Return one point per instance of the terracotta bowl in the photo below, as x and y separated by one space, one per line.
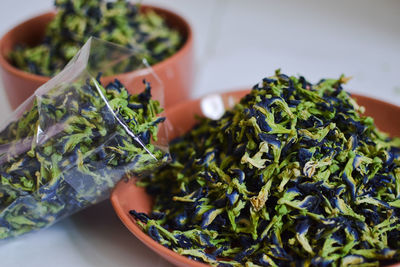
176 72
127 196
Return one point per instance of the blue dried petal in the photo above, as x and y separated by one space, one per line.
263 260
49 193
145 137
355 142
304 155
279 252
208 158
327 151
308 188
210 256
209 176
87 88
287 148
387 252
262 122
134 160
274 239
200 193
351 185
239 174
361 225
247 241
118 84
270 139
339 190
114 86
226 125
153 233
321 262
205 239
315 122
372 216
249 112
241 255
135 106
294 189
380 181
357 161
183 241
145 96
159 120
311 203
98 77
232 198
364 245
284 77
180 220
220 203
352 231
230 143
88 107
33 68
268 102
304 82
157 215
303 226
218 222
139 216
197 210
289 93
359 127
269 80
293 103
94 12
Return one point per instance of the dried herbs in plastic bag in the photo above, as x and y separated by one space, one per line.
66 146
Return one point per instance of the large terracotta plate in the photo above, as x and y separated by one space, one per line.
127 196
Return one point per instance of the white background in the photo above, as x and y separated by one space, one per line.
237 43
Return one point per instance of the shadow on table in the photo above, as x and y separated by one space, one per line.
103 240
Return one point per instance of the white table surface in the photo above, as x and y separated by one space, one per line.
237 43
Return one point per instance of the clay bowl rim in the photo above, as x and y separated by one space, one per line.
185 48
131 223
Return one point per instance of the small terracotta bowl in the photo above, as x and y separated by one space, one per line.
175 72
127 196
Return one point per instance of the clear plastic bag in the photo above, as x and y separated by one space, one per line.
66 146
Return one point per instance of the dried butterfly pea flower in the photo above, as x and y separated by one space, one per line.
120 22
292 174
70 148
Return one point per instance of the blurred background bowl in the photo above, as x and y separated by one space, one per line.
127 196
175 72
